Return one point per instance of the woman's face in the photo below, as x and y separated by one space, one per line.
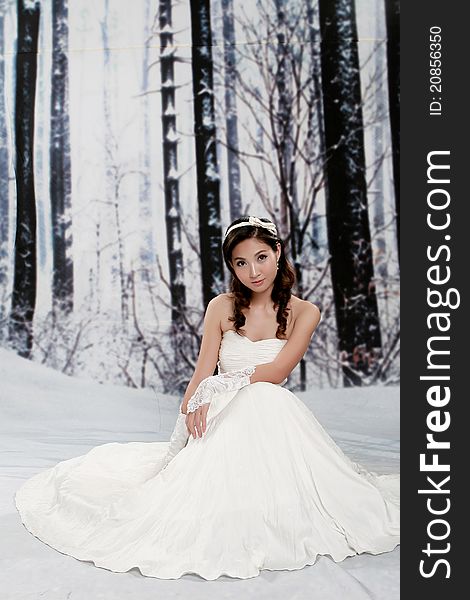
255 263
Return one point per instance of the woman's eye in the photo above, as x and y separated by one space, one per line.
240 263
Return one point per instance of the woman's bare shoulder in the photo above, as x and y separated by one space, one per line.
222 299
225 310
304 307
222 304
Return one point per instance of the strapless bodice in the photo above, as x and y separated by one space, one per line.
237 351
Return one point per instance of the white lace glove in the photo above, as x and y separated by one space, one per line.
178 439
217 384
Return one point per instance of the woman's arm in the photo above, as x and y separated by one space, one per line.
287 359
209 351
273 372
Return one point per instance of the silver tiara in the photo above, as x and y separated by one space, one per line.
255 222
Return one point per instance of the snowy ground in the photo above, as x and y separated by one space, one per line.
46 417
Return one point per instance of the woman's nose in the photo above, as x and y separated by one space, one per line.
253 269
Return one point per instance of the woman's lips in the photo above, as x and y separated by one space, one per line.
257 282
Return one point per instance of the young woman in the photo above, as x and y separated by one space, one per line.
249 480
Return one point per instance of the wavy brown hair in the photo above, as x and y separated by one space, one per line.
285 278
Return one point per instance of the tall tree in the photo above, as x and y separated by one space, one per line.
4 204
378 187
231 118
24 283
282 130
147 250
111 225
278 86
171 176
283 134
352 270
208 179
315 132
392 19
60 165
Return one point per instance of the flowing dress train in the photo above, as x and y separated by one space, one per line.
266 487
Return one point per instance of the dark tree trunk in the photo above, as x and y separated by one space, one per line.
231 119
4 176
284 140
24 283
171 177
283 125
289 208
208 181
392 17
61 178
352 268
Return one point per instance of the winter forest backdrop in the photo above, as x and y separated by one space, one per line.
133 133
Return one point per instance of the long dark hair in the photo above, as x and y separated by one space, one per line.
285 278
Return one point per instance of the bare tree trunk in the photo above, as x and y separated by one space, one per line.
113 176
316 124
4 170
233 166
103 222
392 15
286 152
283 123
352 268
60 167
106 94
378 205
171 178
121 254
97 288
284 137
147 250
24 284
208 180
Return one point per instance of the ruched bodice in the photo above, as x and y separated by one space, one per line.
237 351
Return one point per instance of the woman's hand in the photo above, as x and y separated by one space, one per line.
197 406
196 421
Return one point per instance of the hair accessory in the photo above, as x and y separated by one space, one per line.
254 222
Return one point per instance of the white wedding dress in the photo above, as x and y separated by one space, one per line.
264 488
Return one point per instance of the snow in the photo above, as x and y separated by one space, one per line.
211 172
127 138
166 30
173 174
168 52
30 4
170 111
172 136
46 417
